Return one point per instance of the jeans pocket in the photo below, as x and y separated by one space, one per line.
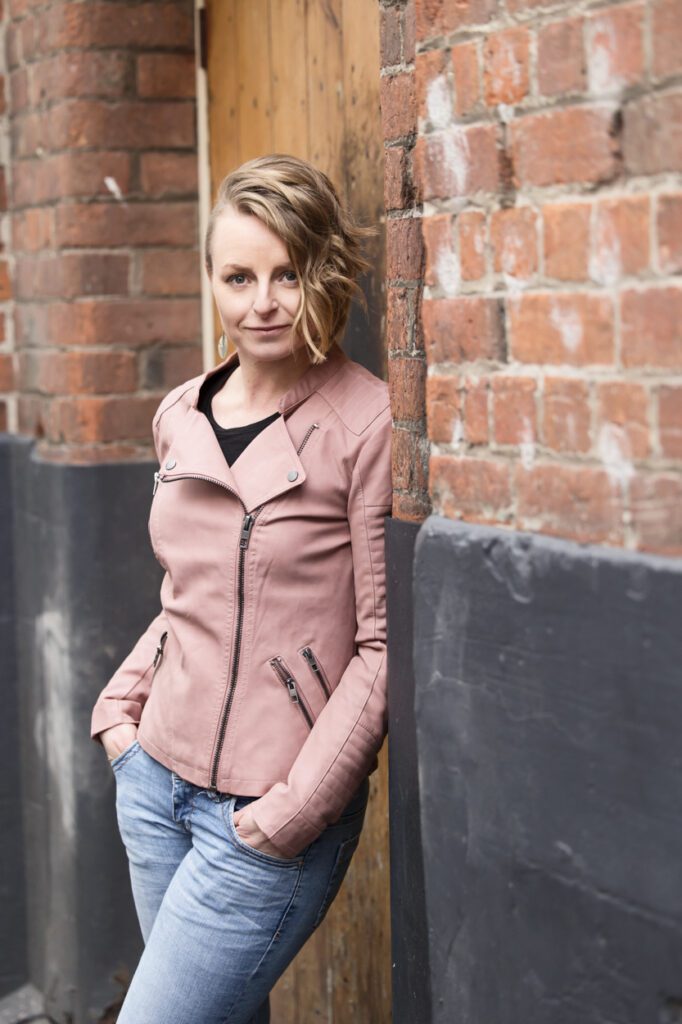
341 864
125 755
229 807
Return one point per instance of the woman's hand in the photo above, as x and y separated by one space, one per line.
252 835
117 738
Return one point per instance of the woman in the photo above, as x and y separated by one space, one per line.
243 725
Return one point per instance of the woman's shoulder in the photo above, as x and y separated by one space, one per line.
359 398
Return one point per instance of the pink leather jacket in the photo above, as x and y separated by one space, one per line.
265 672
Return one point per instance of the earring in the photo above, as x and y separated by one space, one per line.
222 346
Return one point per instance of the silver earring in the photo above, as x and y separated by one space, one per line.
222 346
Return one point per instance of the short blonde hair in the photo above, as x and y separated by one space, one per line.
301 206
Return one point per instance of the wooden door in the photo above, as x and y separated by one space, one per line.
302 77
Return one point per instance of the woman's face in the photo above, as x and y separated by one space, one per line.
255 287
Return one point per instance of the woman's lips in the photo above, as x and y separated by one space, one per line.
269 330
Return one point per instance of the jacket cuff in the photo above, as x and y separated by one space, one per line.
110 712
289 838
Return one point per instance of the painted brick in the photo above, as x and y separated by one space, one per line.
433 90
441 260
458 162
652 327
462 329
575 144
506 59
620 238
615 48
553 328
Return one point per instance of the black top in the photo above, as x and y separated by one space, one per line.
232 440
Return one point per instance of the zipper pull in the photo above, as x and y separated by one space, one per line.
247 523
310 658
157 479
159 649
293 692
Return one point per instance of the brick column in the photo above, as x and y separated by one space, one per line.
104 220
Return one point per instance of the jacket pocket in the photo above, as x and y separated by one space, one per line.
285 677
318 672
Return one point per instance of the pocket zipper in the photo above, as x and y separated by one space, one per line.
316 670
286 678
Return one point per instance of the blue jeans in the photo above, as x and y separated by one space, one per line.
221 920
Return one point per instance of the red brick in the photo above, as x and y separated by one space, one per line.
670 421
166 76
116 25
409 461
94 454
561 60
18 90
576 144
68 175
407 380
652 327
397 178
471 224
572 328
470 488
170 272
5 284
164 368
115 224
462 329
411 507
475 409
399 319
6 372
626 404
73 74
434 95
620 238
514 415
398 105
652 141
125 322
443 404
440 17
33 230
615 48
566 240
566 415
580 503
666 37
669 227
168 174
458 162
441 260
506 56
71 275
513 235
390 35
4 417
409 32
404 249
465 68
657 512
73 372
82 124
93 419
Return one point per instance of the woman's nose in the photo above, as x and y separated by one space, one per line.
265 300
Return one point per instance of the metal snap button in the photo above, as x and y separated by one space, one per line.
171 464
292 475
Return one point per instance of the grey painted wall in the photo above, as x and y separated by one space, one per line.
548 705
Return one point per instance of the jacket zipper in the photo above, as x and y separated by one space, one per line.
159 650
316 670
244 537
285 676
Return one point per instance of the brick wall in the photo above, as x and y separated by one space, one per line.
7 395
547 161
103 202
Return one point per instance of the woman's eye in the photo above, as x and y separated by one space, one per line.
290 277
236 279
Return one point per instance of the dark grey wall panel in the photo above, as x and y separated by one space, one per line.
88 586
13 965
410 984
548 714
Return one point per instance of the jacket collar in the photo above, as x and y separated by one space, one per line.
269 466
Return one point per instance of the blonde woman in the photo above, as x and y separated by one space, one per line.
243 725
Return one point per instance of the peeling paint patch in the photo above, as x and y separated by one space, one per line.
439 102
114 188
613 447
456 156
527 445
569 325
606 265
457 432
447 271
602 46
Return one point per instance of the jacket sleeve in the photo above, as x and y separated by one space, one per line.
349 731
125 695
